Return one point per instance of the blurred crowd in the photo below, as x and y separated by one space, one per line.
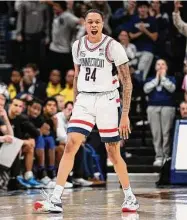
36 39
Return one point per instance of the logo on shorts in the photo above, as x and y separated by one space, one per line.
112 98
83 53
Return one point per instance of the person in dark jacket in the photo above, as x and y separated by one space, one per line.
25 130
161 110
31 86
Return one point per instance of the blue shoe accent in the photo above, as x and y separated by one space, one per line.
22 182
34 183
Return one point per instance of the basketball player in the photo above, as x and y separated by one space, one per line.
96 101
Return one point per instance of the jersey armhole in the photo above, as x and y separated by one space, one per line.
107 51
78 48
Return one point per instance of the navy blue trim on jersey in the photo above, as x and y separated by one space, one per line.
110 139
95 48
78 130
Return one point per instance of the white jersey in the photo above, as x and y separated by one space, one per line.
95 62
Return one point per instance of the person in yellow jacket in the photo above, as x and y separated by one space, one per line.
14 86
67 92
54 85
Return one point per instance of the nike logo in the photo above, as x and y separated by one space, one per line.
111 98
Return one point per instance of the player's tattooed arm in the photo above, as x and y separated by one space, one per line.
77 69
125 78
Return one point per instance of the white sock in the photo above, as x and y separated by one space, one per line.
28 175
57 193
128 192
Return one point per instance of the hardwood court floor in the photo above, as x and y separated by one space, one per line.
100 204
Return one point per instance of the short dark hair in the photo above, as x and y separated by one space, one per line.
32 66
94 10
68 103
143 3
50 99
17 98
62 4
35 100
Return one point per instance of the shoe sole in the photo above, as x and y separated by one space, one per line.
39 208
130 210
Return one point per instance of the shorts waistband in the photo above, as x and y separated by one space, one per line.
99 93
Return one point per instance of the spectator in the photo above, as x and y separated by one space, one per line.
179 23
49 111
43 142
30 85
161 110
14 86
144 34
25 130
54 85
67 92
33 29
60 101
122 17
5 126
64 24
184 84
183 110
6 136
162 20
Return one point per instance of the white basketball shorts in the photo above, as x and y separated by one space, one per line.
101 109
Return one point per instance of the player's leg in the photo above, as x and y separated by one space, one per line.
28 151
107 120
80 125
120 167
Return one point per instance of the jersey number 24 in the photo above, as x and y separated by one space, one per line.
90 74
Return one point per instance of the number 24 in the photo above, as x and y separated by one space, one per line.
88 73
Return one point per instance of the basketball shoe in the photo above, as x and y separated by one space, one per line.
49 205
130 204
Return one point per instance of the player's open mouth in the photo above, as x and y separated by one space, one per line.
94 32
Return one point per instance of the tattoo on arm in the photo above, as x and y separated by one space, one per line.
125 78
77 69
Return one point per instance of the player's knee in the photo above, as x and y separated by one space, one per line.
112 152
70 147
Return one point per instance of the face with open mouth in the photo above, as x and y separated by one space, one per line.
94 25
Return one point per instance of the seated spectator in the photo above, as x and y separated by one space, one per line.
60 102
184 84
163 25
6 131
43 142
133 56
14 86
30 85
6 136
67 92
183 110
54 86
144 34
25 130
161 110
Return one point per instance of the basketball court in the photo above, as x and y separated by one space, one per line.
100 204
